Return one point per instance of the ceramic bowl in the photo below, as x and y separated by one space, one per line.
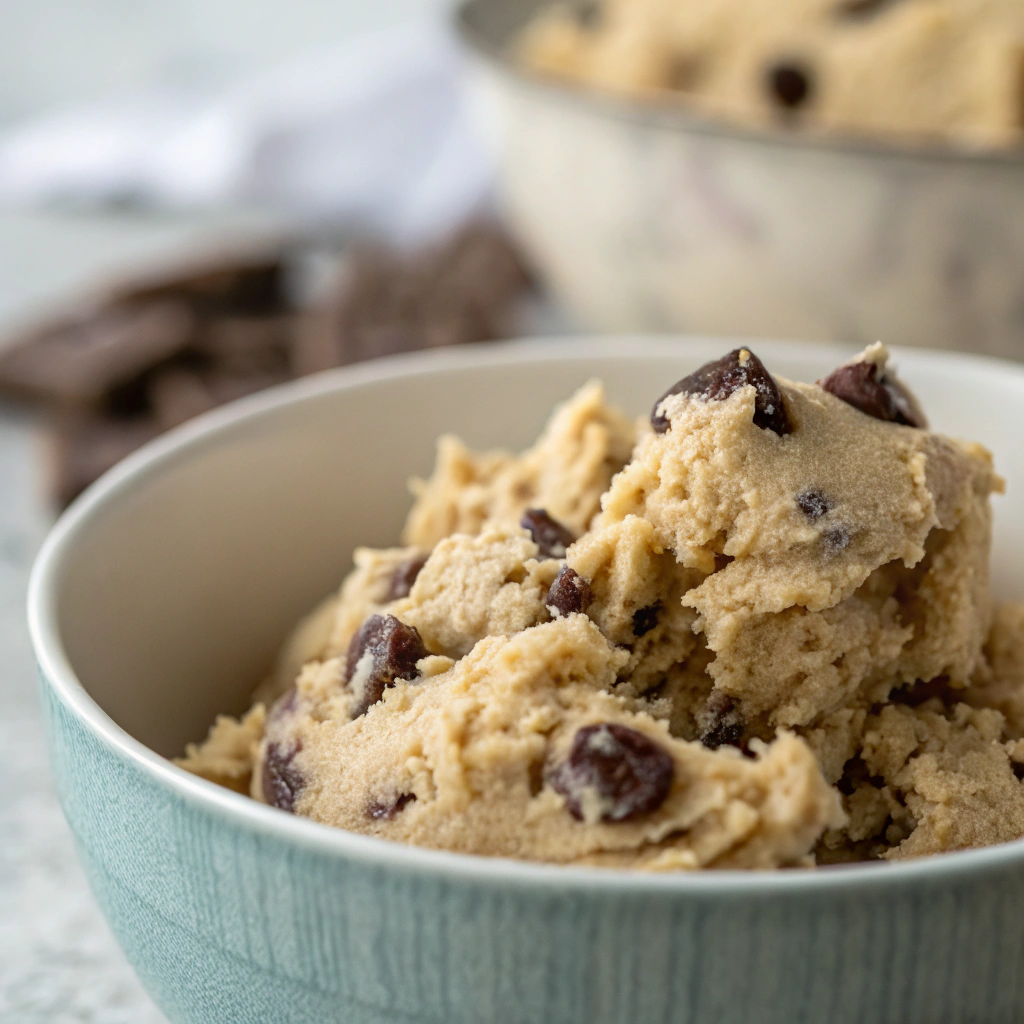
644 217
159 600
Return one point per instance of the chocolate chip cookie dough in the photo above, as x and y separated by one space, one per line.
752 631
946 69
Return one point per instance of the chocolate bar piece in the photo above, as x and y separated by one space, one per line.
79 361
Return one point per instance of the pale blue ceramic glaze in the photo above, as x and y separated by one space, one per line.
234 912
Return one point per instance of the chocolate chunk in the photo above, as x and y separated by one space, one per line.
717 380
720 722
1018 770
404 577
548 534
624 772
645 619
282 781
790 85
813 504
388 810
569 593
853 9
228 282
835 540
588 15
861 385
382 651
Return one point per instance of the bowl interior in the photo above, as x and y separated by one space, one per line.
172 583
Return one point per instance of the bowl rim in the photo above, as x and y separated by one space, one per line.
245 813
651 111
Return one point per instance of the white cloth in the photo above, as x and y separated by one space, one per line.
374 133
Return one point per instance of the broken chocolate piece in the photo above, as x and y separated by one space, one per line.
78 361
813 504
282 781
717 380
790 85
388 810
853 9
383 650
548 534
569 593
645 619
614 770
404 577
720 721
874 393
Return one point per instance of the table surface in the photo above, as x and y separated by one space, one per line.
59 963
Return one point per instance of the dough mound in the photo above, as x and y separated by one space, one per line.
753 633
914 69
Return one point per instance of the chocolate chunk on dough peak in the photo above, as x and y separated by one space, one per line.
716 381
868 385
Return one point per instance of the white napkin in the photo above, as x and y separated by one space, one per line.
372 133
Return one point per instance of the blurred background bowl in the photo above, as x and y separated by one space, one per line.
642 217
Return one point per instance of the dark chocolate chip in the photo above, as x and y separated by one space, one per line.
645 619
390 649
588 14
627 772
387 810
854 9
835 540
570 592
720 721
282 781
789 84
548 534
813 504
717 380
860 385
1018 770
404 577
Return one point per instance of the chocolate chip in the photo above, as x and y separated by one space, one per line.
645 619
282 781
404 577
569 593
720 721
382 651
387 810
717 380
861 385
548 534
1018 770
588 15
854 9
789 84
813 504
628 773
835 540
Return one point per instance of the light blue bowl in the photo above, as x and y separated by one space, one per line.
160 598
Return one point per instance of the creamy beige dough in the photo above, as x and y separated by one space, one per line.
754 633
926 68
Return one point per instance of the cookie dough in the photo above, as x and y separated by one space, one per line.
752 631
943 69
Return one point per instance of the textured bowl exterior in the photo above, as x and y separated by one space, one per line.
643 220
231 911
227 923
